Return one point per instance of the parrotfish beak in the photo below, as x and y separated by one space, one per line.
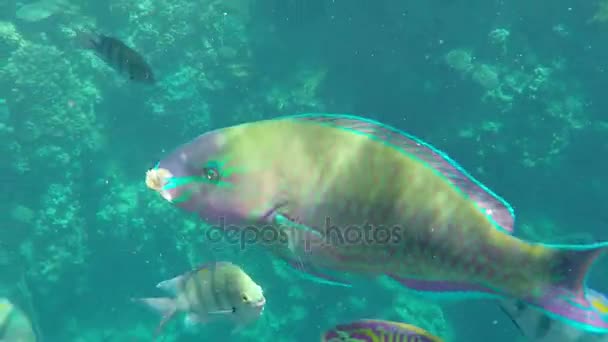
157 180
259 305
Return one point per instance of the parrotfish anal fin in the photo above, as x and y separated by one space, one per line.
491 204
557 302
300 238
444 287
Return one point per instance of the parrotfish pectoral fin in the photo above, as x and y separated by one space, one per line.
298 235
491 204
445 288
284 221
306 271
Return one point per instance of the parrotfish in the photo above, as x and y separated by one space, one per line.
538 327
364 198
15 326
371 330
215 291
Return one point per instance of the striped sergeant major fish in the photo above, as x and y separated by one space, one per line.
119 56
416 215
536 326
215 291
15 326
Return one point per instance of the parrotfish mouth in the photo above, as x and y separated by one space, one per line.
157 180
260 303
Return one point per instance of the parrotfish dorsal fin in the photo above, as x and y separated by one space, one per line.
490 203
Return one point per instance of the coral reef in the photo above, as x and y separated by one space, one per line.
76 140
510 89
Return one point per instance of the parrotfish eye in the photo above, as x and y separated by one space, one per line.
212 174
245 299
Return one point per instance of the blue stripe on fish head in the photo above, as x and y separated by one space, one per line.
198 175
207 180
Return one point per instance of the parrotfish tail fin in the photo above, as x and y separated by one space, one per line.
166 307
566 299
572 264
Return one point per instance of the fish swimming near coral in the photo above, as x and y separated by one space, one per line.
15 326
119 56
538 327
43 9
377 330
217 291
378 201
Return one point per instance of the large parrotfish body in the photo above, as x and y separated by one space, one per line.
325 173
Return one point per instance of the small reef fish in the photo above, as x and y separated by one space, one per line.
218 291
14 324
538 327
119 56
382 203
371 330
42 9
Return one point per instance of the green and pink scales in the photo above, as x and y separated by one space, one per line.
318 178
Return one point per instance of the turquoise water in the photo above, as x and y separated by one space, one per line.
514 91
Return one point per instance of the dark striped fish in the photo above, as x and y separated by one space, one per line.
371 330
14 324
218 291
119 56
